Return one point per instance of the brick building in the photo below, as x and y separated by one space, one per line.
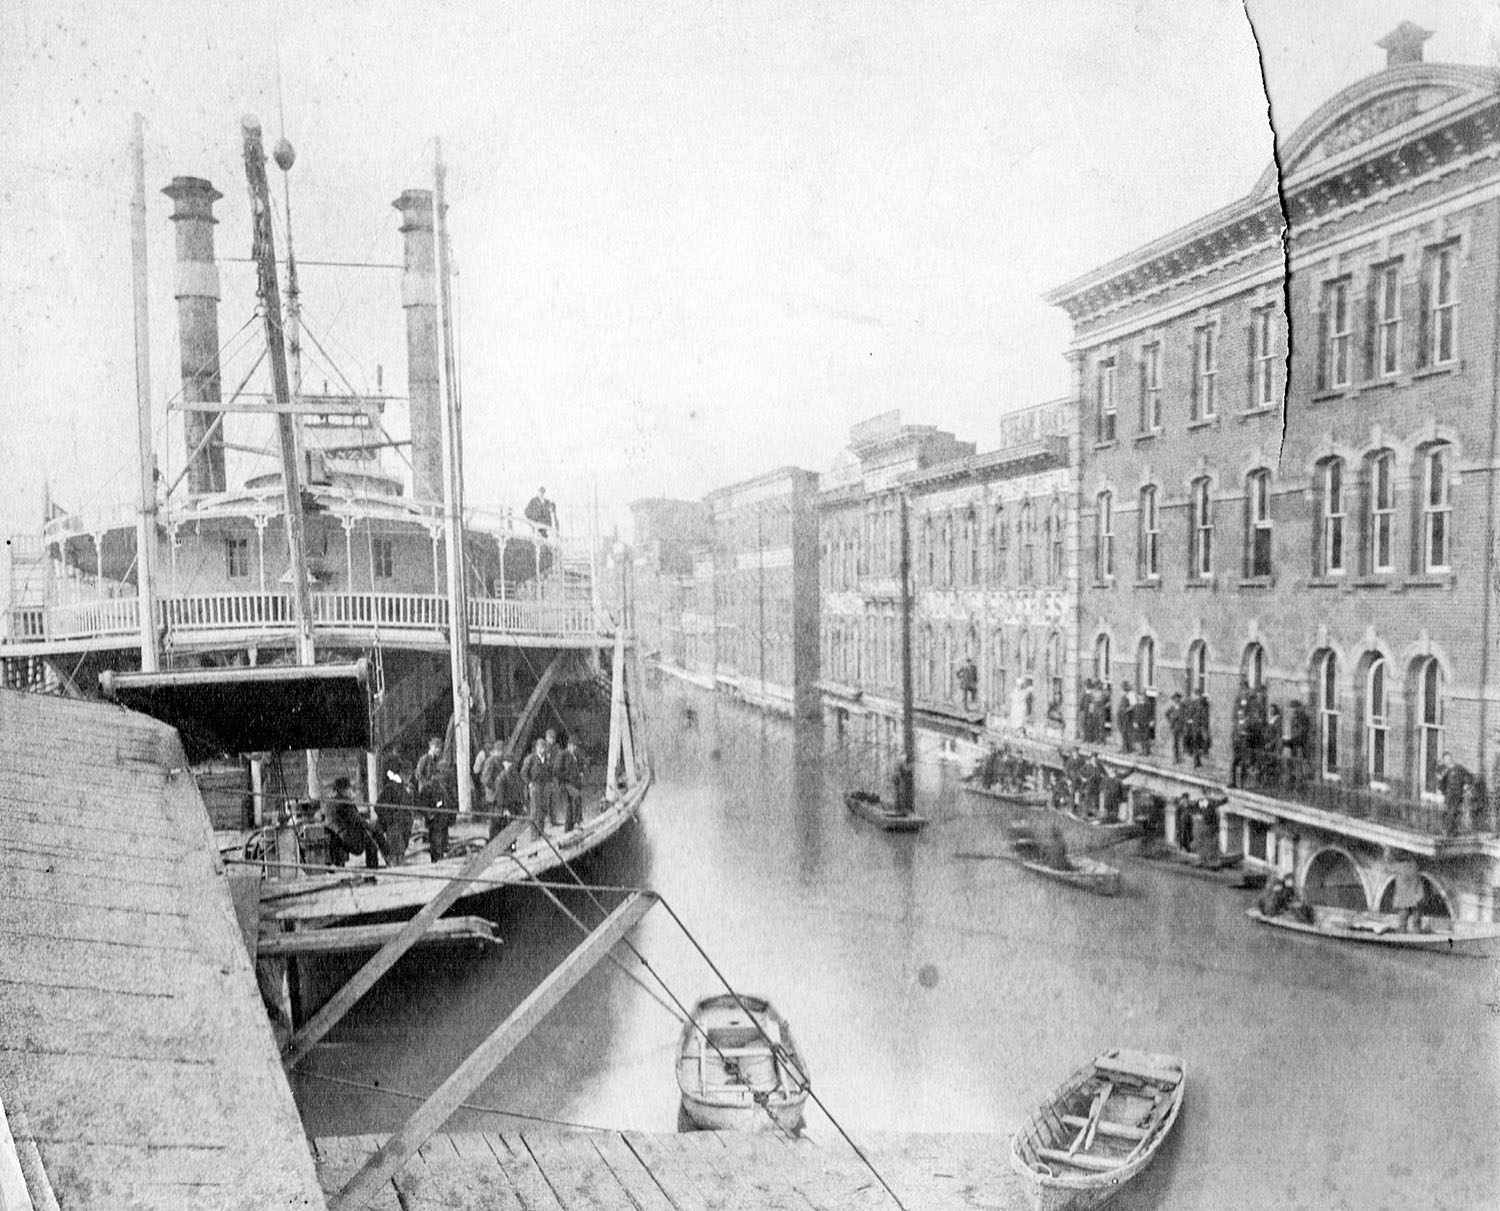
668 536
1338 550
992 540
765 590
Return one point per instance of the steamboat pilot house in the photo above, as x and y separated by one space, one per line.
375 552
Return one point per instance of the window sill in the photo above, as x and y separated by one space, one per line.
1208 422
1107 445
1454 367
1198 582
1150 435
1380 384
1257 413
1325 582
1329 393
1150 582
1258 582
1431 580
1375 580
1108 583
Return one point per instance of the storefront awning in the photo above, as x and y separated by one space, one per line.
276 708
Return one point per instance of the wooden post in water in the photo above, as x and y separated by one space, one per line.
906 771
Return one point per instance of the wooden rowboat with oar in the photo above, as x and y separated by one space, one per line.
1100 1128
738 1068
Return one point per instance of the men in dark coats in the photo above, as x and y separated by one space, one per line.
570 780
1452 780
1299 742
968 682
1198 727
540 779
436 788
396 807
348 831
510 796
1242 741
542 512
1127 717
1176 724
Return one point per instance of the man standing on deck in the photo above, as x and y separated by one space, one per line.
537 773
348 833
489 767
394 807
570 775
510 796
542 512
433 778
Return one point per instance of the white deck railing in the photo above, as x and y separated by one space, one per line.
272 612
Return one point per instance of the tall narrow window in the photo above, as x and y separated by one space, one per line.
1028 543
1104 536
1436 509
929 548
1327 671
1148 558
1053 671
1382 488
1262 358
1388 319
1145 664
1102 672
972 543
1253 666
999 545
947 551
383 552
1197 667
1201 552
1104 394
1377 721
1258 524
1151 387
1429 724
1205 403
1441 289
1055 539
237 557
1333 517
1340 335
1000 689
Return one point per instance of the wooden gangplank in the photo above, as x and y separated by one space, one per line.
134 1045
557 1170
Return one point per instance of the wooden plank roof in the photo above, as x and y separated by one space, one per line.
132 1035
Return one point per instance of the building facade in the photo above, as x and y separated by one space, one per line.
991 538
1288 481
765 590
668 536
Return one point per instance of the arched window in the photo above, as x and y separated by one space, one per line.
1145 664
1437 508
1258 524
1377 720
1326 692
1102 673
1148 536
1380 486
1055 557
1197 667
999 545
1201 530
1104 536
1253 666
1430 729
1028 543
1332 507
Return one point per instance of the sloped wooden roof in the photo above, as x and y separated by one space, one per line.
132 1036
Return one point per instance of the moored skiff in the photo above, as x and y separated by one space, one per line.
738 1068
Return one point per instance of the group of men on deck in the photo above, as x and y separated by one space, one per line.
547 789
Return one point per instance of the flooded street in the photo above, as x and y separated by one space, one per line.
937 992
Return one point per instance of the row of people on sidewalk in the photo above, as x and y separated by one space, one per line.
548 784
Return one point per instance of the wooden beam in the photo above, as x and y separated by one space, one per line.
385 958
339 939
616 718
533 705
485 1058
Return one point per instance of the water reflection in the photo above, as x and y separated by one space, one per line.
944 993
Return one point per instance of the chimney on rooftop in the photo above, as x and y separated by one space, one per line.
197 296
1404 44
419 298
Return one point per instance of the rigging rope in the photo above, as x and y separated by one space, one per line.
418 1097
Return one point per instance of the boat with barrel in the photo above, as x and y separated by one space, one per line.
1099 1129
738 1068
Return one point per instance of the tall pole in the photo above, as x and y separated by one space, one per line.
760 546
453 497
263 253
145 531
905 772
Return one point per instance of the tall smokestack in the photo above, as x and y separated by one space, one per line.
419 298
198 325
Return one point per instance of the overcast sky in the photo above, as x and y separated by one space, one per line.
696 241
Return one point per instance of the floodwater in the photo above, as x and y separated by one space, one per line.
930 991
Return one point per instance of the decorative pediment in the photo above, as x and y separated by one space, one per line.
1373 118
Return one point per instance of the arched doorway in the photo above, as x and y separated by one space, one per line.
1434 899
1332 878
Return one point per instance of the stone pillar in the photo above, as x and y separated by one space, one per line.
197 296
419 299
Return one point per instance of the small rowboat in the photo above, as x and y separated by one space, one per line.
1100 1128
1017 798
1090 874
738 1068
877 811
1380 928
